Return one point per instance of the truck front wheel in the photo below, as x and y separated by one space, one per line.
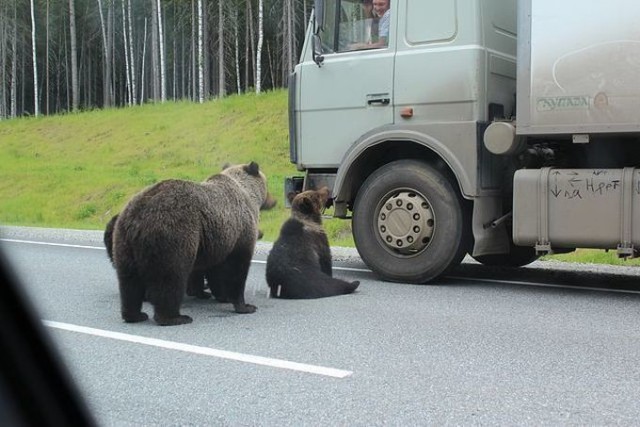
409 222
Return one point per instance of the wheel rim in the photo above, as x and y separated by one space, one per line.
405 222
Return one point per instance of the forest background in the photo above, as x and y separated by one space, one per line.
67 55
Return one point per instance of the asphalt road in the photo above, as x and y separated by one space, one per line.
553 344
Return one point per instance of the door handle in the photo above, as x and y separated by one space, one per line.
378 99
381 101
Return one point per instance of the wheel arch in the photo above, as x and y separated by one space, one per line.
375 150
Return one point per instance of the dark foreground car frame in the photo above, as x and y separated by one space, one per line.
35 387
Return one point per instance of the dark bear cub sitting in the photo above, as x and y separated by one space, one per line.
299 264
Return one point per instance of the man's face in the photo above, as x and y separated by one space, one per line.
380 6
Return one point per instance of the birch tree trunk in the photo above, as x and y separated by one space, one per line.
127 69
3 66
270 62
110 78
250 43
237 50
5 23
252 38
134 93
259 50
221 68
195 34
294 42
36 109
75 88
174 66
14 64
247 56
163 84
289 41
200 55
155 62
46 64
144 55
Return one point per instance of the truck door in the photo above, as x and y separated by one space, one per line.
351 92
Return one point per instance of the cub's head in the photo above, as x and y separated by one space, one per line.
251 178
309 204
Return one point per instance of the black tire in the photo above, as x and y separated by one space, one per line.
410 223
517 257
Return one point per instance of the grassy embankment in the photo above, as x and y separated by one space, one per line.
77 170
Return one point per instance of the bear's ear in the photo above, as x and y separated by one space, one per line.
252 169
292 195
226 166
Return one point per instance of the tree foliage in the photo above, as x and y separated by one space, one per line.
100 53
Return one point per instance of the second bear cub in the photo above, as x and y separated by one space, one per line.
299 264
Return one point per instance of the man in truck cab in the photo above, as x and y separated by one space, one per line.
379 29
381 8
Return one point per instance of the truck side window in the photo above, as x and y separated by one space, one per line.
364 24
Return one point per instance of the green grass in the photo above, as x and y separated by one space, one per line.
594 256
78 170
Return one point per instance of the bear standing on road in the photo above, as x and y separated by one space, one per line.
176 231
299 264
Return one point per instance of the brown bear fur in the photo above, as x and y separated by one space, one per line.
196 285
176 232
108 236
299 263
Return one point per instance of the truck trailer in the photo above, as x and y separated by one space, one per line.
501 129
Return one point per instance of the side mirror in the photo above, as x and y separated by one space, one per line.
316 45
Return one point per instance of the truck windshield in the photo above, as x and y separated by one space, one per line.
352 25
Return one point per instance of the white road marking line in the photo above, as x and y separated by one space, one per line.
206 351
31 242
255 261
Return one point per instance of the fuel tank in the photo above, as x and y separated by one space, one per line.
577 208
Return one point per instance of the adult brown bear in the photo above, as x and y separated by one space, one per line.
176 231
299 263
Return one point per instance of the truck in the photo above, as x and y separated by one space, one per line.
501 129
